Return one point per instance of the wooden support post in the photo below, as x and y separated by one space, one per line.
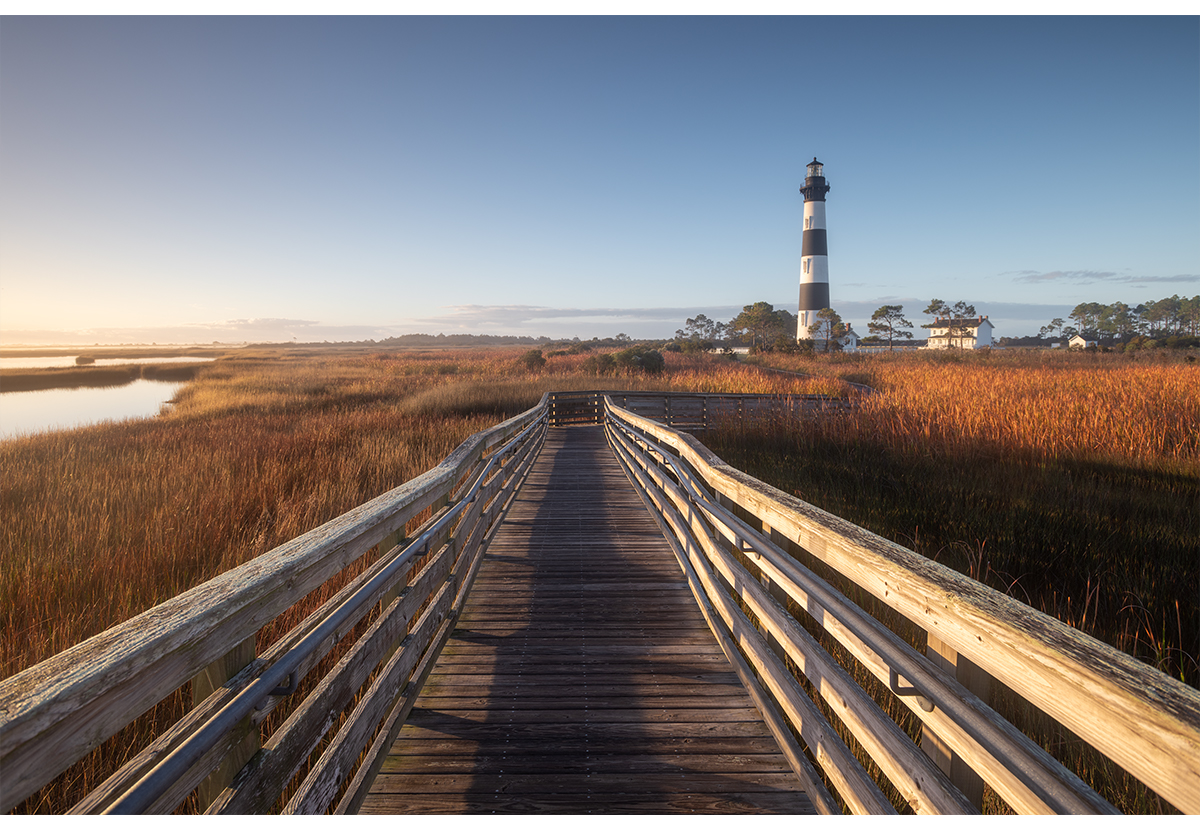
393 540
974 679
777 592
247 738
386 545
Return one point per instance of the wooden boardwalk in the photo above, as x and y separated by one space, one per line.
581 677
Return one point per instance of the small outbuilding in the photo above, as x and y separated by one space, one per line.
849 340
1078 342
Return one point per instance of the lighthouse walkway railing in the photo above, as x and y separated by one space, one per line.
818 664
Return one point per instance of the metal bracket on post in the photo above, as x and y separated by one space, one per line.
907 690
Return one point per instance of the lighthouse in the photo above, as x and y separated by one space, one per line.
814 253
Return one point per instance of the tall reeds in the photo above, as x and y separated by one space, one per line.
103 522
1072 484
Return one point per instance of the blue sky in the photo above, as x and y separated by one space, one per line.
264 178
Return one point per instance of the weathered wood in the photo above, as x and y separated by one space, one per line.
102 797
1008 760
321 785
106 793
601 672
57 711
320 788
977 681
536 668
289 748
1145 721
376 752
204 685
910 771
629 802
849 778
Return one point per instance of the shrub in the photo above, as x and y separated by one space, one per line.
533 359
600 364
640 358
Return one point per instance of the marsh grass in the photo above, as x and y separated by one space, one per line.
103 522
985 464
1074 488
1068 482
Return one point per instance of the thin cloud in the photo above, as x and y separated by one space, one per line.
1084 277
517 315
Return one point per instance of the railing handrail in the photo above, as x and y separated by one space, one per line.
57 711
54 713
1141 718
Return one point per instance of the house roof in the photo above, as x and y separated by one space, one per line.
958 322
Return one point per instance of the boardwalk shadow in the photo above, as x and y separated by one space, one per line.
582 676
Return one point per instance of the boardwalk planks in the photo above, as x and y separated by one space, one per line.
581 676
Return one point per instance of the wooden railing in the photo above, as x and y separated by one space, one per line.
399 612
742 542
690 411
742 545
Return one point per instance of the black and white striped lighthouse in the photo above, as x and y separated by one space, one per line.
814 252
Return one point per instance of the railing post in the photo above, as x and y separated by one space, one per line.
246 739
386 545
976 680
775 589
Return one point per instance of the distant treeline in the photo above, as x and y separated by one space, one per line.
450 340
1173 316
1173 322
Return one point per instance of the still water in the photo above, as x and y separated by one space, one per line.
8 363
61 408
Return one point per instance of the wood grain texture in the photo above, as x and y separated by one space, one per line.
581 675
55 712
1141 718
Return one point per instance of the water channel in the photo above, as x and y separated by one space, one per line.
27 412
10 363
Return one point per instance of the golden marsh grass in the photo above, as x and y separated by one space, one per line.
106 521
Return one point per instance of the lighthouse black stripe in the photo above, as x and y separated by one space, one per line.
814 243
814 296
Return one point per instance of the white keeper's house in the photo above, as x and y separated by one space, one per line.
970 332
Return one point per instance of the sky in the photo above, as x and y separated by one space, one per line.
250 179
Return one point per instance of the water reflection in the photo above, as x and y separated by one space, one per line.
27 412
9 363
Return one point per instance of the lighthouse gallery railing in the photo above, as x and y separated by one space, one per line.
741 544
